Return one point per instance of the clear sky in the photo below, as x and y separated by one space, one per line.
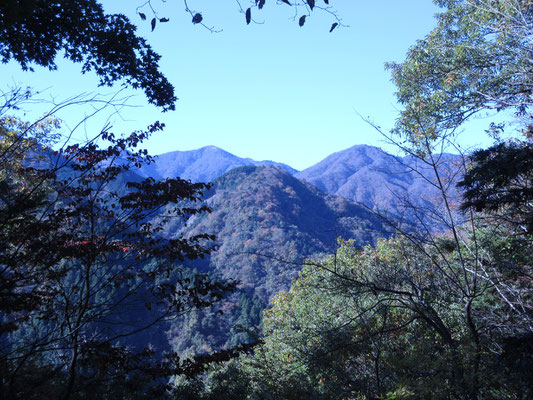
267 91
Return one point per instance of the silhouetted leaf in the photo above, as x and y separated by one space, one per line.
333 27
301 21
311 3
286 2
153 24
248 16
197 18
261 4
326 1
143 16
163 19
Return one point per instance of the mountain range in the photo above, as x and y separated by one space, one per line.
268 218
402 188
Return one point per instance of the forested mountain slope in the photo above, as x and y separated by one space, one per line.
267 223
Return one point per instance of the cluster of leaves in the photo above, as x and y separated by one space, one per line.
477 58
33 31
198 18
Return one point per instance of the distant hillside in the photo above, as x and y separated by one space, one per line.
363 174
381 181
202 165
267 223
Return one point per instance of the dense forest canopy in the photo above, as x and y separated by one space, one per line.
99 275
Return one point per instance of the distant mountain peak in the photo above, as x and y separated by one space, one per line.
209 148
368 175
200 165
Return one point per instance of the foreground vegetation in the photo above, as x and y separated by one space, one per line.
396 320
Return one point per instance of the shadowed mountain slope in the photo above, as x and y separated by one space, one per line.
265 209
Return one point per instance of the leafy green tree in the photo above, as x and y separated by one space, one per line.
477 58
393 321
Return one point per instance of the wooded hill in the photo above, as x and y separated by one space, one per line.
266 223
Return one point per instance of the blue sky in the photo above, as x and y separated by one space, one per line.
267 91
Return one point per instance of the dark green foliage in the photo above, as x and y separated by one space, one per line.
501 179
19 220
246 319
34 31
